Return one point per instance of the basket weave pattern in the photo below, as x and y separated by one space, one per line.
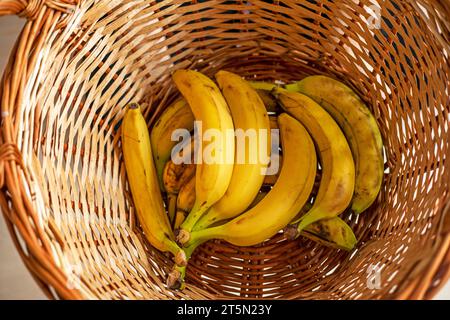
77 64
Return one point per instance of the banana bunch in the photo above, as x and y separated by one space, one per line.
248 113
213 176
331 161
338 169
282 203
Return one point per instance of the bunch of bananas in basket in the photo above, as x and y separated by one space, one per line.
216 185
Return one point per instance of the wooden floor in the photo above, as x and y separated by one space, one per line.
15 281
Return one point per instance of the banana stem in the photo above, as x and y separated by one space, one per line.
307 219
191 248
200 236
292 87
194 215
176 278
205 221
184 234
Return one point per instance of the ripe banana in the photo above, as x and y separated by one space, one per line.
180 216
175 176
281 204
176 116
249 113
338 170
186 196
276 209
144 184
179 116
360 129
332 232
212 175
264 89
185 202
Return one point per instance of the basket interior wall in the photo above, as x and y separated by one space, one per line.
116 52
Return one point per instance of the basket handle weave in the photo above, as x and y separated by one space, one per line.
30 9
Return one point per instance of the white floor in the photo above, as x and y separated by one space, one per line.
15 281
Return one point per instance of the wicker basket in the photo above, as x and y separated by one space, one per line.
76 65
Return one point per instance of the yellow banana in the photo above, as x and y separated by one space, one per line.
332 232
360 129
176 116
281 204
269 180
186 196
276 209
264 89
212 175
249 113
175 176
338 169
185 202
179 116
180 216
144 184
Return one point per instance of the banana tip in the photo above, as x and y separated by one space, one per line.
133 105
291 232
174 280
180 258
183 237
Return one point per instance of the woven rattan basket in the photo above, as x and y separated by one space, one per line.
77 64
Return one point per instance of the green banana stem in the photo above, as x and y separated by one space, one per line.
262 85
207 220
179 255
176 278
293 87
184 234
305 221
200 236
